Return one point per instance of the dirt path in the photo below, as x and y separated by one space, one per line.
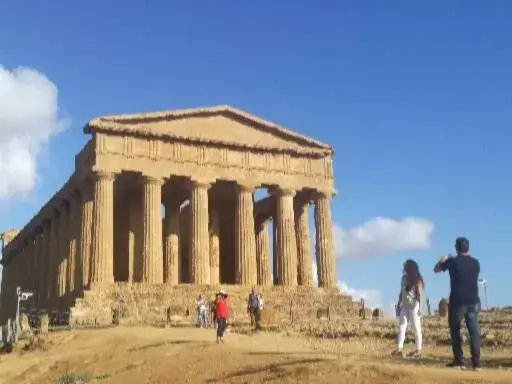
150 355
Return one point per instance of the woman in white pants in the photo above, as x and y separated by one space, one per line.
408 308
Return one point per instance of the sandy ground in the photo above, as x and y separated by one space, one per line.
179 355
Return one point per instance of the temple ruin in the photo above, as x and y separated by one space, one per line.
168 199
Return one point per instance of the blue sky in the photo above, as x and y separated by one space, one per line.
415 97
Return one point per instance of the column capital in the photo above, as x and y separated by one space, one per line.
149 179
103 175
285 191
246 186
322 194
201 183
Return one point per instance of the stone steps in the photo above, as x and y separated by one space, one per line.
151 304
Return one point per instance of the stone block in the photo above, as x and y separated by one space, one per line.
44 320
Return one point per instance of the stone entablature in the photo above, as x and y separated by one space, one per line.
203 165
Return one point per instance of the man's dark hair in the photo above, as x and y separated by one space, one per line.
462 245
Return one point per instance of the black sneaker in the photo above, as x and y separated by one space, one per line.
456 364
476 366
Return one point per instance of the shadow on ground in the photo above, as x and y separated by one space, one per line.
492 363
159 344
274 371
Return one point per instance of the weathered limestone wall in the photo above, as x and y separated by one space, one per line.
149 304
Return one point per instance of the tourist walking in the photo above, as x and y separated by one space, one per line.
253 308
213 312
464 301
222 313
202 311
408 308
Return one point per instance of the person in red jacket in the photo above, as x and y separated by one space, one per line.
222 313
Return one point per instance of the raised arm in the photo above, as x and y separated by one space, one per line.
441 265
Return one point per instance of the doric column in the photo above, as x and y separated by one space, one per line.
152 241
25 277
53 257
199 238
324 241
303 242
102 258
63 249
45 265
244 236
36 260
172 242
214 248
73 272
262 253
30 262
86 218
275 251
286 240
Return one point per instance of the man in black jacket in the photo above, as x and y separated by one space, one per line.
464 300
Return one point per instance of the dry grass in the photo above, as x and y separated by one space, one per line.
496 329
135 355
354 352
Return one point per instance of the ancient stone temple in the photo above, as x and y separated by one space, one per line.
168 198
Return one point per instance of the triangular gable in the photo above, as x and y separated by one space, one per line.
216 125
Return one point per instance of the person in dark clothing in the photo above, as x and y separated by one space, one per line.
464 300
213 311
253 308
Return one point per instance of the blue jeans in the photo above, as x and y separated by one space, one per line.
202 318
470 315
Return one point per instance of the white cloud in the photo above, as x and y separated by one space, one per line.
372 297
380 236
29 118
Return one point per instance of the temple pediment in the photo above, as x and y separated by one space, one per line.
215 125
